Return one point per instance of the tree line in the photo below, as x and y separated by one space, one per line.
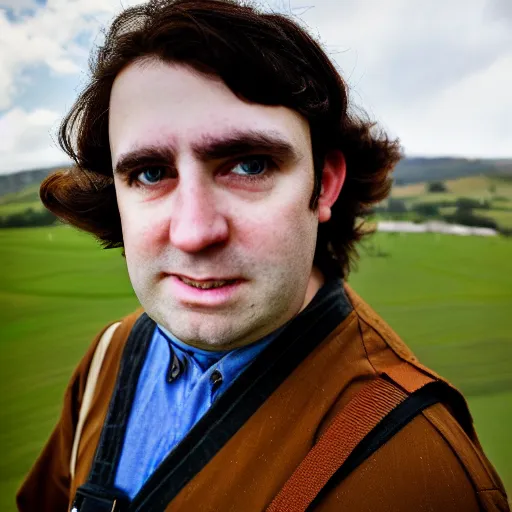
467 210
28 218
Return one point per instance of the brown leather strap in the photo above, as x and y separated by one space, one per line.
361 415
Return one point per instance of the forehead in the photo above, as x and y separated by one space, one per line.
153 102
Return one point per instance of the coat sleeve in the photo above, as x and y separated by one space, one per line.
46 487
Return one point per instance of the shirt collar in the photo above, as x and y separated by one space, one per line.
206 358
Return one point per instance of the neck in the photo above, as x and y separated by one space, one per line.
316 281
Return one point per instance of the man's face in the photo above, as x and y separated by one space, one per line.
213 194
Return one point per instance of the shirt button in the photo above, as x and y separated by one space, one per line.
216 379
175 369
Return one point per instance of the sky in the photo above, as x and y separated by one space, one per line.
437 74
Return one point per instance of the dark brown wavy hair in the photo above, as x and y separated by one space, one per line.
265 58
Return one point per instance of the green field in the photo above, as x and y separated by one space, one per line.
450 298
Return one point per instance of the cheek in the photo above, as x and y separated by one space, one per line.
144 232
279 230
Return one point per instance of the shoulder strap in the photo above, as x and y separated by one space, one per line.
379 410
90 386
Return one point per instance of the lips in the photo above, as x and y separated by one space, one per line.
206 284
215 292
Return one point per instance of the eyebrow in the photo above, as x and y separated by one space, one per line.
210 148
150 155
239 143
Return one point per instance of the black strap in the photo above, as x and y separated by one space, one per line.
398 418
108 452
92 498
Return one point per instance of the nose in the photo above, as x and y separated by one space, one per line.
197 222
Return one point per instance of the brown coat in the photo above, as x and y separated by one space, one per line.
430 465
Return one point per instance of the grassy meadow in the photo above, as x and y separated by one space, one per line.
449 297
57 288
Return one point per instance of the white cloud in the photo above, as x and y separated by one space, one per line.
27 139
437 74
18 5
47 37
470 118
42 35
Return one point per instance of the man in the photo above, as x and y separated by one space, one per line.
216 146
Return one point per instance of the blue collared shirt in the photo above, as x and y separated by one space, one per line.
177 385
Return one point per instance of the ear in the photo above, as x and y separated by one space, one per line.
333 177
